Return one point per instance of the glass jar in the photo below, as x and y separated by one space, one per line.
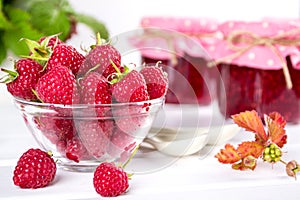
198 92
255 78
182 45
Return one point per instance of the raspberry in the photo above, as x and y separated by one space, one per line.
272 153
100 58
156 80
58 86
23 79
110 180
75 150
131 88
35 169
95 135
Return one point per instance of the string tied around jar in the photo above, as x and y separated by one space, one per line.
242 41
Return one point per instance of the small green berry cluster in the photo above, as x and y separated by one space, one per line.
272 153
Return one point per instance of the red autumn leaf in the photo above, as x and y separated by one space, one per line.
229 155
254 149
278 119
251 122
276 131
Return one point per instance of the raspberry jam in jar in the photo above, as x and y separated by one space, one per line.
181 45
247 89
263 77
186 81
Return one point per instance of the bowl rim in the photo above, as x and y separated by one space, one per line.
151 102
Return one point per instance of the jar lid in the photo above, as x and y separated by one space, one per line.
262 44
190 35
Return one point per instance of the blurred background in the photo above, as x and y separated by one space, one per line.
120 16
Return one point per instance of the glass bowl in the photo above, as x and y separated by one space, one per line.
82 136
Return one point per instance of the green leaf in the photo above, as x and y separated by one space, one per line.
12 40
16 15
94 24
50 18
21 29
4 23
2 49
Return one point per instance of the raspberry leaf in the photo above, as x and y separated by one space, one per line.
21 29
254 149
278 119
3 53
51 17
276 131
251 122
229 155
4 23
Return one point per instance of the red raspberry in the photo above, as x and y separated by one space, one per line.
55 128
100 58
35 169
156 80
131 88
110 180
95 135
95 89
75 150
23 80
67 56
58 86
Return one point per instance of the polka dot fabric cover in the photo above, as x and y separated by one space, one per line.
260 56
192 35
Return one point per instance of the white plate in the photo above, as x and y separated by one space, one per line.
186 141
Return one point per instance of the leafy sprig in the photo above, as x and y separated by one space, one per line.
267 145
33 19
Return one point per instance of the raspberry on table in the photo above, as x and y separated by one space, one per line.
110 180
35 169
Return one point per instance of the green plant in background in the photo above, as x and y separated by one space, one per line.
36 18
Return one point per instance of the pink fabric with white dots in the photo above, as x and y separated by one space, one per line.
261 57
213 42
188 28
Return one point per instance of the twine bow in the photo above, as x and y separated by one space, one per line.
242 41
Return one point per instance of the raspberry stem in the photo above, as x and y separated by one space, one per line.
98 39
115 67
283 162
130 158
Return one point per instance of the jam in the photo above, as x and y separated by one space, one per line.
263 90
189 80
